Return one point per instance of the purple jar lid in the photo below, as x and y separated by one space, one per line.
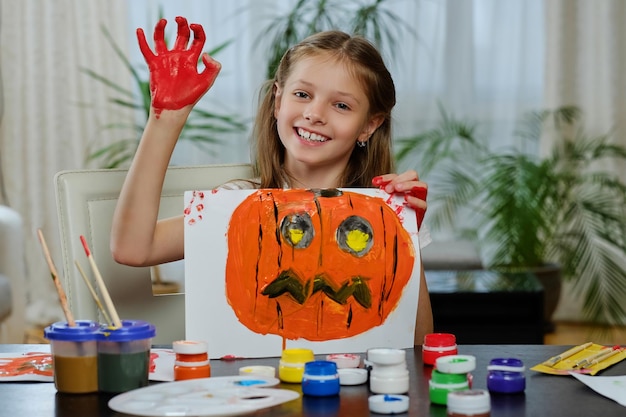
85 330
130 330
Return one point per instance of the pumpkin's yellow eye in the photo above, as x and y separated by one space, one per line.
357 240
355 235
297 230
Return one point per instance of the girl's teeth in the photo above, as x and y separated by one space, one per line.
311 136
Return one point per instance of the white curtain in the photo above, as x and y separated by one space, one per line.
482 59
586 66
53 113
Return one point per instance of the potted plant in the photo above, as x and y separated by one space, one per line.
563 210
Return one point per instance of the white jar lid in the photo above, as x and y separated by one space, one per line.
386 356
455 364
260 370
189 347
471 401
388 403
352 376
345 360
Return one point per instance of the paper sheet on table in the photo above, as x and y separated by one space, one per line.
613 387
37 366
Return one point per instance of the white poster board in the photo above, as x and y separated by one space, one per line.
246 288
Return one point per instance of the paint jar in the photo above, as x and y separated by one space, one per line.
506 375
74 356
124 356
291 364
192 360
320 379
437 345
389 374
469 403
441 384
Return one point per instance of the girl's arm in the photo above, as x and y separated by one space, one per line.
137 238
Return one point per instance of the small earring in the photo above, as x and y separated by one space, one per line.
361 144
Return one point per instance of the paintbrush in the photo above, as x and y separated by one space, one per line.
93 293
558 358
103 289
598 357
55 278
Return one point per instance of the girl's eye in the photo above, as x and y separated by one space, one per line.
301 94
343 106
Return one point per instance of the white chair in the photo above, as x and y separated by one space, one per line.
12 277
86 200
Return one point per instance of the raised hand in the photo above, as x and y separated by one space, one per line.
174 78
408 183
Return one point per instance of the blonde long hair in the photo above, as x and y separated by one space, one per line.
367 65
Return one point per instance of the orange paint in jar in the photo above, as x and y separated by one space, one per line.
192 360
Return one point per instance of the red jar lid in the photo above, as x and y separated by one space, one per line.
439 339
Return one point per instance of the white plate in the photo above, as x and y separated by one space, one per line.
215 396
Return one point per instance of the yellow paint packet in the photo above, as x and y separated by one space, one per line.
589 358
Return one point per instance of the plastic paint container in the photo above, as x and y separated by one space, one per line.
506 375
441 384
388 404
124 356
320 379
469 403
437 345
192 360
389 374
291 364
74 356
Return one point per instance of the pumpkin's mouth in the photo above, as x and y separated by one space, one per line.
289 283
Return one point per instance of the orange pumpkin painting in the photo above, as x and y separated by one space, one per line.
315 264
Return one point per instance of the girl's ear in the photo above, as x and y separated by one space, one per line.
371 126
277 96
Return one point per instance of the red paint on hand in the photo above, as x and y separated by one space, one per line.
379 182
174 78
419 192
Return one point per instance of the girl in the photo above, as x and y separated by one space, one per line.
324 122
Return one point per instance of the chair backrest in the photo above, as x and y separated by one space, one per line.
85 202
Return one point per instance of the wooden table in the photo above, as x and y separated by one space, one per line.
545 395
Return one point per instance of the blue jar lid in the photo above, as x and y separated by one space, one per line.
130 330
320 368
85 330
506 365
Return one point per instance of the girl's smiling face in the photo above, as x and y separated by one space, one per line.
321 112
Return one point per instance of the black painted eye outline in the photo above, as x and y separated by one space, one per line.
352 233
297 230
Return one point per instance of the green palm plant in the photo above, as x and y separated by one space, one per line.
203 128
527 211
370 19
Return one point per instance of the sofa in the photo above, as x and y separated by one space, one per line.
12 276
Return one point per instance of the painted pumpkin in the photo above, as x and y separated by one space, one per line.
315 264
